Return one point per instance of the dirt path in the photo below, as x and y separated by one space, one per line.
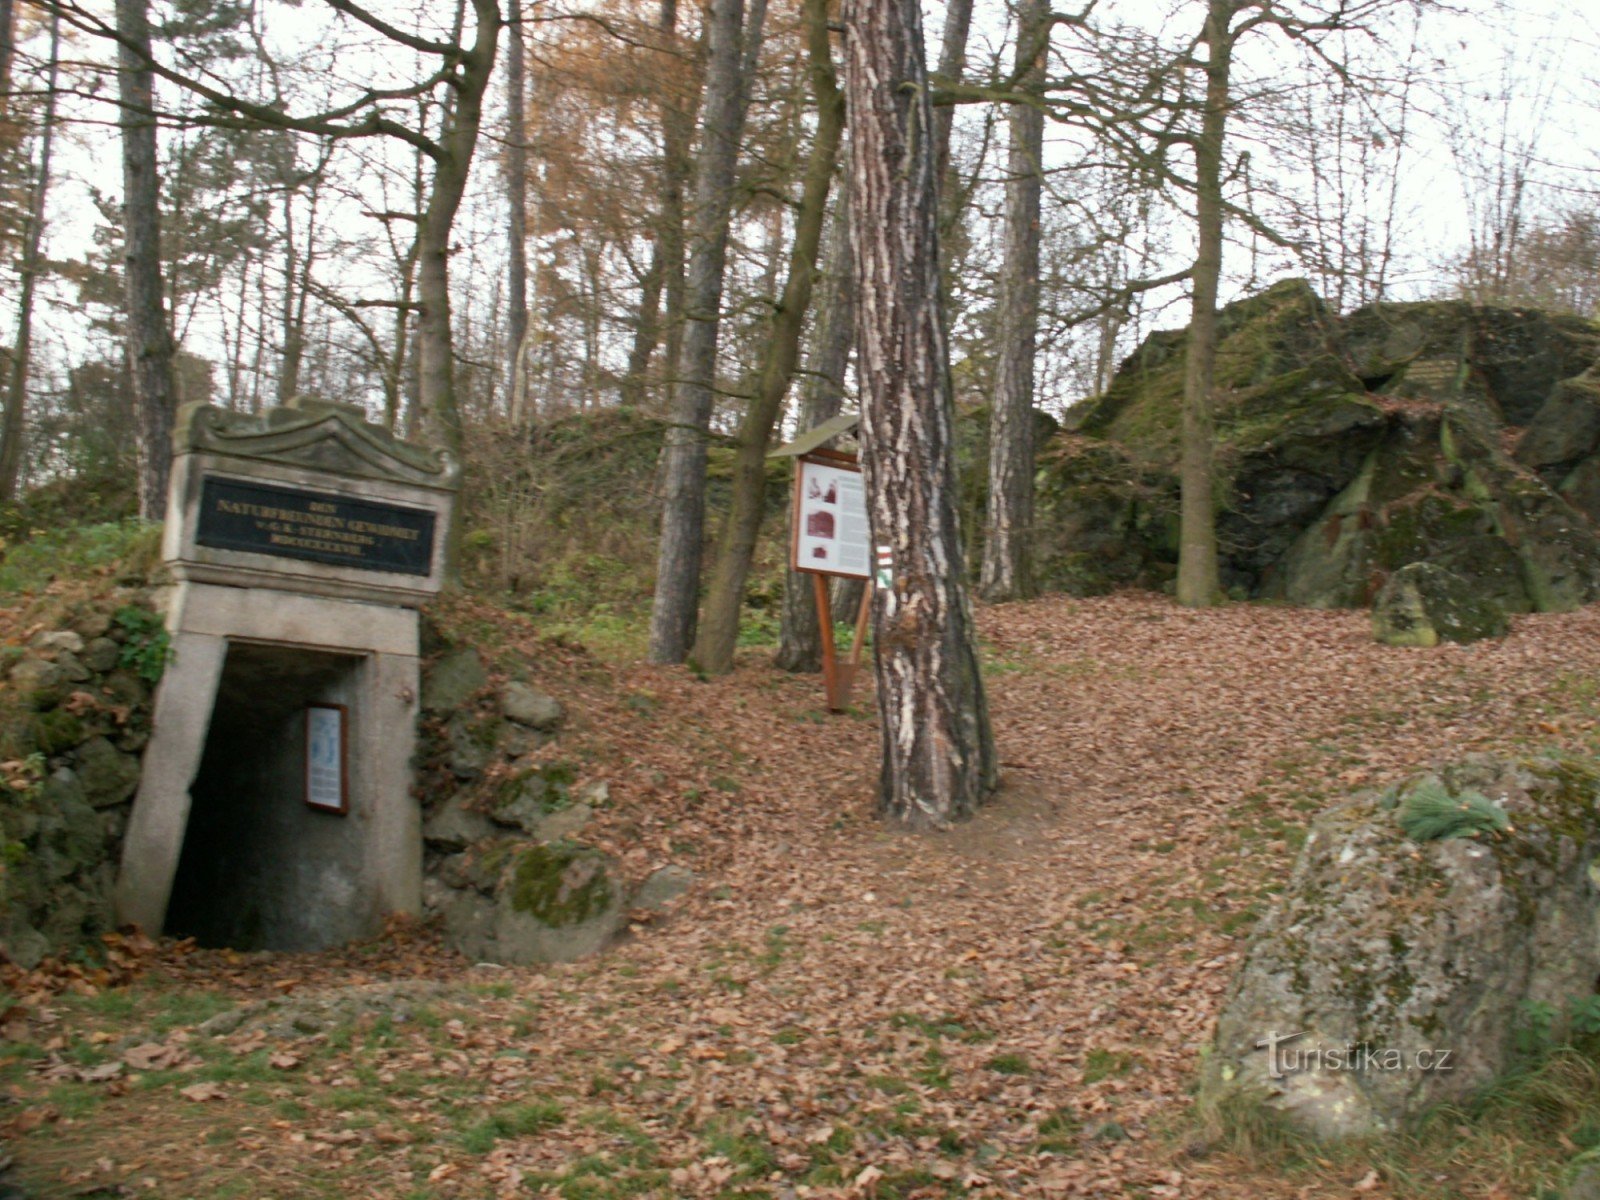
1014 1009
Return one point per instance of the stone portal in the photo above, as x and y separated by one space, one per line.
275 808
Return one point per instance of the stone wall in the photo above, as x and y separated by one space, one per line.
74 720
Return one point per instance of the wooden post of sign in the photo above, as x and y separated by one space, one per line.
838 679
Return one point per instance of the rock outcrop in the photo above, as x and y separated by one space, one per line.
1349 447
1394 974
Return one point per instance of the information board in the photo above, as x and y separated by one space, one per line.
321 527
325 757
829 518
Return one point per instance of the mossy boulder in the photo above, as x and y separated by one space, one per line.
553 902
1423 604
1419 959
1346 449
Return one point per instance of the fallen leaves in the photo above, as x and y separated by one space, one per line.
203 1092
839 1009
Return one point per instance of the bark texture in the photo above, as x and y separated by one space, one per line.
516 203
150 347
719 626
683 514
938 751
1006 572
452 164
1198 582
799 637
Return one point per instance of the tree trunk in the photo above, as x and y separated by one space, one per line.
13 423
1006 573
1198 582
457 141
799 636
952 62
719 628
8 50
516 200
938 752
672 616
150 349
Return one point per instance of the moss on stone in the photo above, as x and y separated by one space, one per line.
55 732
561 884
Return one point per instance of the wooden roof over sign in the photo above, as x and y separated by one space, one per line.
808 441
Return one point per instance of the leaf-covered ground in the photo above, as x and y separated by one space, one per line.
1015 1008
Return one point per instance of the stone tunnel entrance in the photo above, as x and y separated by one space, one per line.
262 866
275 806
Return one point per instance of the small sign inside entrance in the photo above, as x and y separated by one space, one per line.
325 758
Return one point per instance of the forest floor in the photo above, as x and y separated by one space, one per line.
1013 1008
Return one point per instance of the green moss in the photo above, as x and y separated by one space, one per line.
548 786
561 884
55 732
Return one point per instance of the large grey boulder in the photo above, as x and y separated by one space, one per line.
1417 959
1424 604
551 903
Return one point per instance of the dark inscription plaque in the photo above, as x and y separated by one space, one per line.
315 526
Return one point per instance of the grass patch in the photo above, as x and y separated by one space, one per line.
521 1120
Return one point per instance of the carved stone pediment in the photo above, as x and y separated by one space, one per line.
318 434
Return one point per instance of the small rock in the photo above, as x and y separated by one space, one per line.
528 706
451 681
663 886
473 743
61 639
25 946
72 668
109 776
563 823
101 654
455 825
92 625
33 675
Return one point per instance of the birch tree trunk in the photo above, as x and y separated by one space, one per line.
672 615
719 629
13 424
1198 582
938 752
1006 572
799 635
150 349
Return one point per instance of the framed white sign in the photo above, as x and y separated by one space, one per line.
829 518
326 776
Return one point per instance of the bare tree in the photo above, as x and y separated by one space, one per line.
938 751
1006 573
730 70
516 173
719 629
12 424
150 347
